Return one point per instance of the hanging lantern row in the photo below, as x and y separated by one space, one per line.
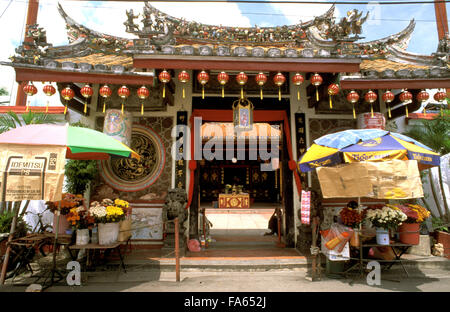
143 93
423 96
184 77
370 97
164 77
261 80
123 93
440 97
223 78
105 92
333 89
353 98
388 97
203 78
86 92
29 90
406 97
297 80
67 94
49 90
316 80
241 79
279 80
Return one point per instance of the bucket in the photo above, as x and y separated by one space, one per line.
382 236
108 233
354 241
94 235
82 237
409 233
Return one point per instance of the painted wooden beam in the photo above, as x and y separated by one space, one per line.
247 63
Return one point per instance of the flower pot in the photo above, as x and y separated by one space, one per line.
409 233
63 224
108 233
125 230
444 239
82 237
354 241
382 236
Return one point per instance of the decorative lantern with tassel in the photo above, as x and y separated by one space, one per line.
164 77
242 115
261 80
423 96
388 97
86 92
183 77
49 90
353 97
124 93
297 80
440 97
223 78
406 97
316 80
241 79
144 93
203 78
279 80
370 97
29 90
105 92
333 89
67 94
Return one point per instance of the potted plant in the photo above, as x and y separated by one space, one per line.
107 215
409 231
442 235
80 221
352 218
67 202
385 219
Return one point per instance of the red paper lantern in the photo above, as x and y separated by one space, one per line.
241 79
67 94
353 97
388 97
316 80
164 77
279 80
333 89
297 80
223 78
49 90
105 91
184 77
370 97
405 97
86 92
423 96
143 93
124 93
203 78
29 90
440 97
261 80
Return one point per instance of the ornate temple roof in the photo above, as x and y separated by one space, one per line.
160 35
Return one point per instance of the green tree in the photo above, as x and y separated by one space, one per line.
80 173
3 91
435 134
12 120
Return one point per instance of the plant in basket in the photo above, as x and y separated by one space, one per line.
410 230
80 220
351 217
108 215
386 217
67 202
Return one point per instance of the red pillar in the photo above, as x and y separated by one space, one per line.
441 18
33 7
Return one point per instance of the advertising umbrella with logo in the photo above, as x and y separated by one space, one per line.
372 145
32 160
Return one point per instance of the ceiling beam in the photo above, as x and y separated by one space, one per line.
431 83
247 63
39 74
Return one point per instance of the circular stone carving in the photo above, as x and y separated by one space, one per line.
130 175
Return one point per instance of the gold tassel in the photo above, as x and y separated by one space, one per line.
65 109
104 106
46 107
223 91
371 109
389 111
164 91
242 93
298 95
142 107
317 94
85 107
425 111
122 106
184 94
331 103
28 104
354 113
203 92
261 93
279 93
406 108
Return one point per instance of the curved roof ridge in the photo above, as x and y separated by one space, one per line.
403 35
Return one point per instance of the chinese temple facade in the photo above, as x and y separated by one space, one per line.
298 82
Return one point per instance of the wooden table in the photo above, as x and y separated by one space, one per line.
234 200
95 247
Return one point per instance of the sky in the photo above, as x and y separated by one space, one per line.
108 17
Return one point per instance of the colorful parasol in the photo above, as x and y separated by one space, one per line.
82 143
373 145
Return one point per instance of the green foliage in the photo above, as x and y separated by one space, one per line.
3 91
439 225
6 221
11 120
80 173
433 133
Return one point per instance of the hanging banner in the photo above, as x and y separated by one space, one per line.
300 126
306 207
180 164
31 172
